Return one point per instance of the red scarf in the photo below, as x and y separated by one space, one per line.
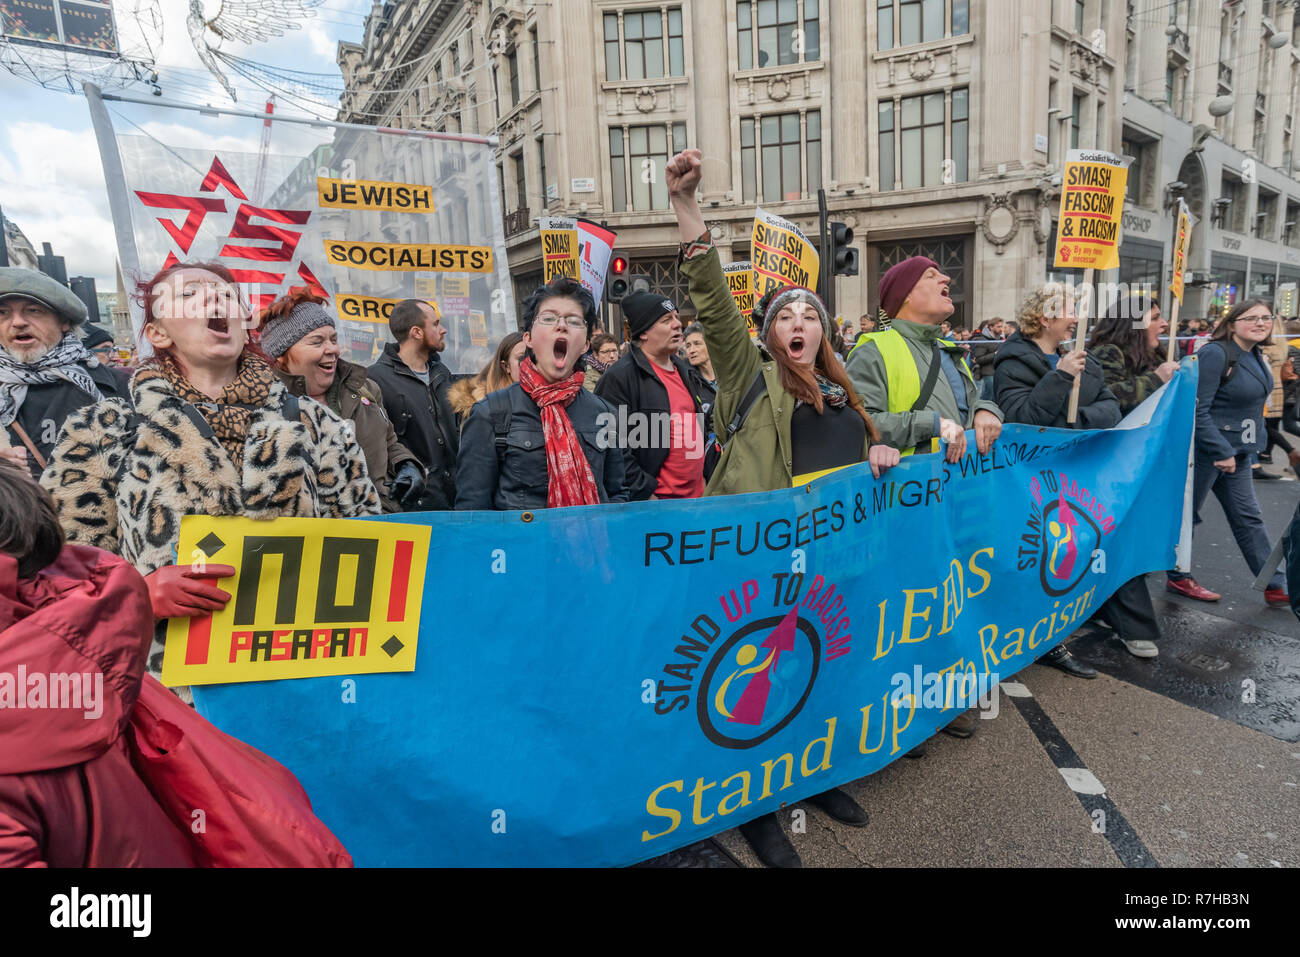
568 474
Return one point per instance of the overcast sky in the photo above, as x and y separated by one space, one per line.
51 180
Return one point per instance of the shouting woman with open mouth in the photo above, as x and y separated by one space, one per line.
786 412
212 433
539 443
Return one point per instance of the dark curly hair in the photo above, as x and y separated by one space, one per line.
561 287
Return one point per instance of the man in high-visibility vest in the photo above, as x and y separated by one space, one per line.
914 404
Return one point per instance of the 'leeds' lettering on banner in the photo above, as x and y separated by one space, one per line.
408 257
370 195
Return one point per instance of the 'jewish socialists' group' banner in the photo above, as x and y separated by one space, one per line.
755 649
1092 205
781 254
363 216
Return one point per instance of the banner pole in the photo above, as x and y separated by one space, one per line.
1080 336
118 204
1173 330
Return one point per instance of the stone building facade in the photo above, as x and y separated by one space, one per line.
934 126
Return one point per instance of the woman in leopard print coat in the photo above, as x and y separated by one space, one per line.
212 433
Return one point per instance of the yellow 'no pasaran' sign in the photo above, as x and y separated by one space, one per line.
310 598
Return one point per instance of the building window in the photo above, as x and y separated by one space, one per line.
1234 217
537 61
521 180
512 63
775 150
637 157
913 142
651 39
886 144
884 25
617 171
777 32
1266 216
919 21
455 59
1076 115
1078 15
748 163
813 139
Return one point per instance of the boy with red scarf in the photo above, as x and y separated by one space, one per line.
539 443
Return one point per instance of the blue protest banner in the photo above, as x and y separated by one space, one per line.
597 686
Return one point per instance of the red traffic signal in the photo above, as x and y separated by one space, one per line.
618 265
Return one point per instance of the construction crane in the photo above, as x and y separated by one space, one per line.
264 151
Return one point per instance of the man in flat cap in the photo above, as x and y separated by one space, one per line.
664 401
46 372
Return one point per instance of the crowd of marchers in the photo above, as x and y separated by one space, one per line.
102 462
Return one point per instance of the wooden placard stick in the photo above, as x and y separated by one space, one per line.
1080 337
1173 330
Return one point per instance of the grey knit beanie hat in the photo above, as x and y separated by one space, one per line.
792 294
279 333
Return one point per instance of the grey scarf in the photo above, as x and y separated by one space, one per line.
67 361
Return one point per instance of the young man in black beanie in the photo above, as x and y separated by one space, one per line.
664 405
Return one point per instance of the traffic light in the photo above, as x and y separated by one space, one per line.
844 257
617 287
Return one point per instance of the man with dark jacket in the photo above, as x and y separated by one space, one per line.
46 372
666 404
414 382
984 348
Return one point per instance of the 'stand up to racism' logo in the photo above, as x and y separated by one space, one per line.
755 681
758 680
1063 533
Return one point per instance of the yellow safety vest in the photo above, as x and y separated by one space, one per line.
901 373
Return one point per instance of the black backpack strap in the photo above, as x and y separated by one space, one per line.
1232 355
755 390
291 409
927 388
198 421
498 405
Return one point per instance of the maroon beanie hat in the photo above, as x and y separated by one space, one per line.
898 280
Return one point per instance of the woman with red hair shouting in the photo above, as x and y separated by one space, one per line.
213 433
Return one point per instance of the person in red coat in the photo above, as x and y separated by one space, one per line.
75 626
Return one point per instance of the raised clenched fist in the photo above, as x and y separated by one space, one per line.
684 172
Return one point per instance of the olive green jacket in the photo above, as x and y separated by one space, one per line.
903 430
758 456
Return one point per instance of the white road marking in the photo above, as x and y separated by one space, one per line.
1015 689
1082 781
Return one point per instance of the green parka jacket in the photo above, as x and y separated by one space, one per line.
758 457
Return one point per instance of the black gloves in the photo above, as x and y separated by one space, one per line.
408 483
